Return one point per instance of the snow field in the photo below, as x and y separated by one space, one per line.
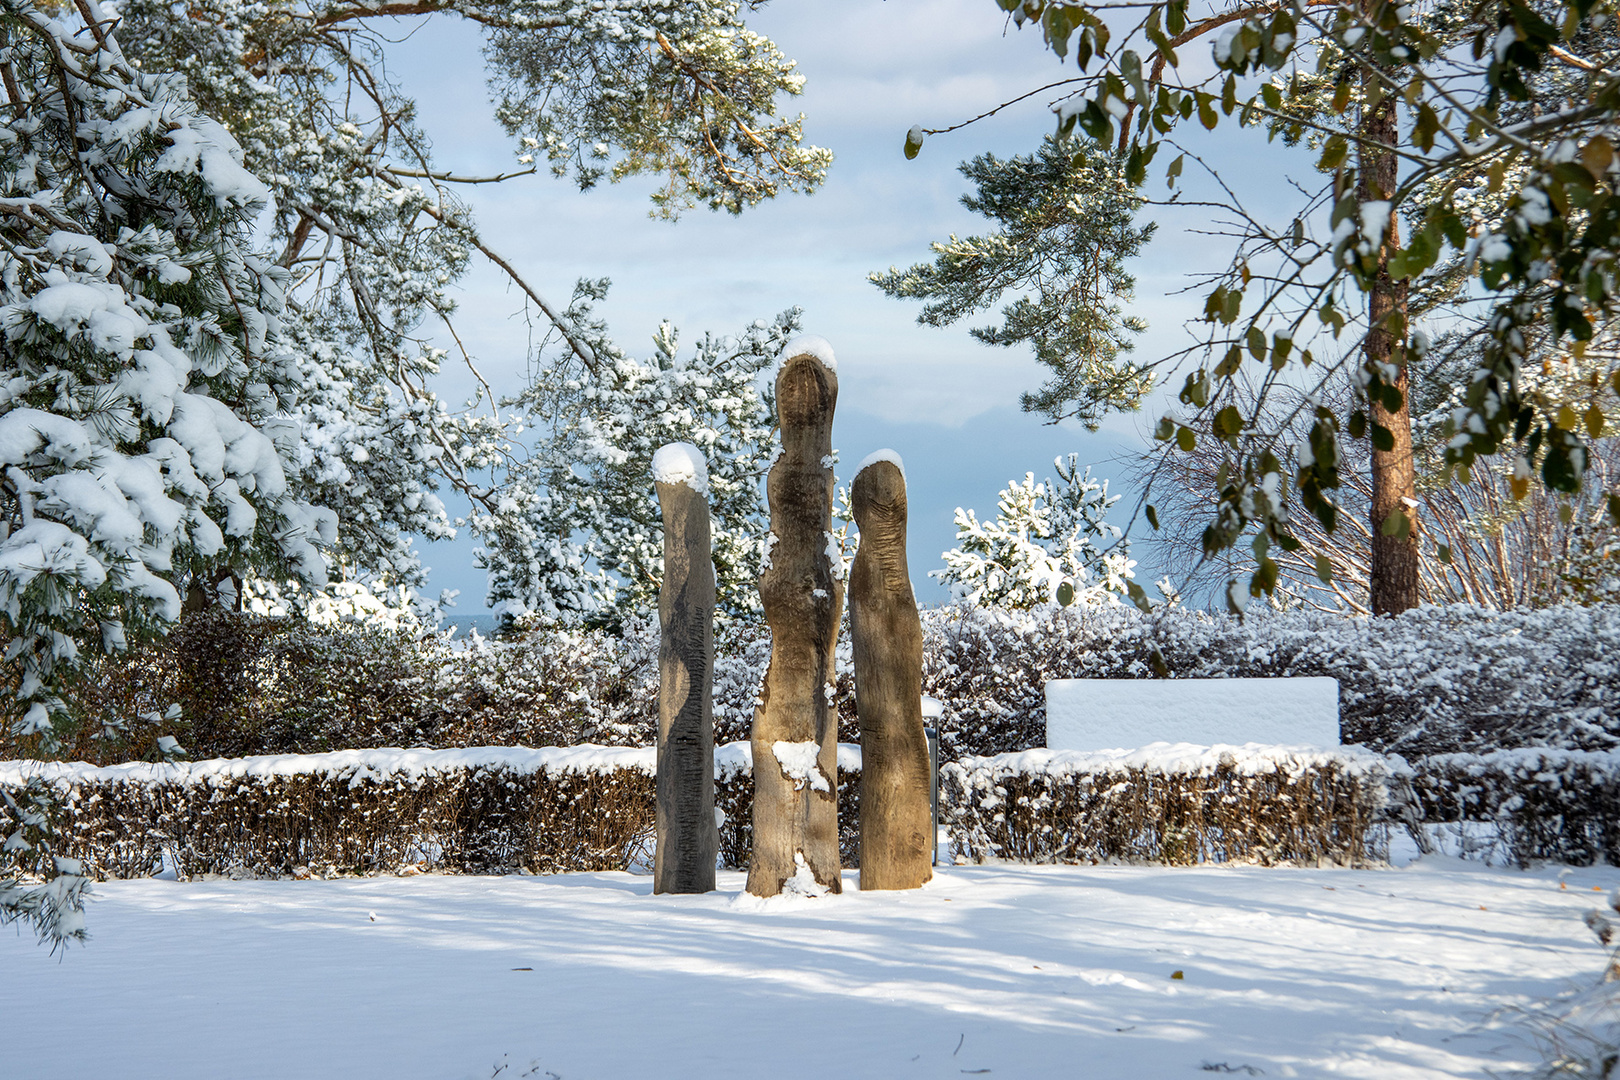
1024 971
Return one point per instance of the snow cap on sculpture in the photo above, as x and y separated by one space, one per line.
811 345
681 463
882 455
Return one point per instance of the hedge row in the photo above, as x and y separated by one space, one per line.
483 810
1434 680
1539 805
591 808
1180 805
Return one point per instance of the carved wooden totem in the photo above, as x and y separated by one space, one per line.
795 736
896 816
688 839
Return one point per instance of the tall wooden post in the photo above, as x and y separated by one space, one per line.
688 838
896 813
795 735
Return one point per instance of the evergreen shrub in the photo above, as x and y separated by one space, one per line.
1434 680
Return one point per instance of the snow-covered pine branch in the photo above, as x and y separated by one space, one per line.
144 369
375 237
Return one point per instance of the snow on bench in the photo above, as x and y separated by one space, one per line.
1119 714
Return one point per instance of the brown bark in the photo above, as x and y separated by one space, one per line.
688 839
1394 567
796 818
896 814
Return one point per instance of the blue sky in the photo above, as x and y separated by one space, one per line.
947 404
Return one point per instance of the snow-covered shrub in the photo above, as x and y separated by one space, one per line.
1048 542
1177 805
1433 680
1544 805
1440 679
251 685
582 808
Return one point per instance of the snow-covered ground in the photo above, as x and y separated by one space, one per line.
1004 971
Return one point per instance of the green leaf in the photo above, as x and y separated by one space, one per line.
1228 422
1230 363
1256 340
1234 304
1324 569
1334 151
1186 439
1358 424
1444 552
914 141
1065 594
1138 596
1173 171
1382 438
1614 508
1264 579
1397 524
1175 17
1152 517
1558 470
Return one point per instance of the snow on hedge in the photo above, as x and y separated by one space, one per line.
353 765
1191 759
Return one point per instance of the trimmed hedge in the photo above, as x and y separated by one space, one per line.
1541 805
482 810
1176 805
551 810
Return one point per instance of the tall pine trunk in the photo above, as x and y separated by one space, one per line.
1393 576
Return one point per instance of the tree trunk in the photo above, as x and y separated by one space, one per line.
688 838
1393 575
795 736
896 813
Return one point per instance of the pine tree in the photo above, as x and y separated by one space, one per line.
1048 543
1414 112
144 369
598 505
1066 230
374 238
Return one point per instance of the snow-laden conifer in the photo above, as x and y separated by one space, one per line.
1049 541
143 380
375 237
577 531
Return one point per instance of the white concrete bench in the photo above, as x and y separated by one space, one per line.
1121 714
